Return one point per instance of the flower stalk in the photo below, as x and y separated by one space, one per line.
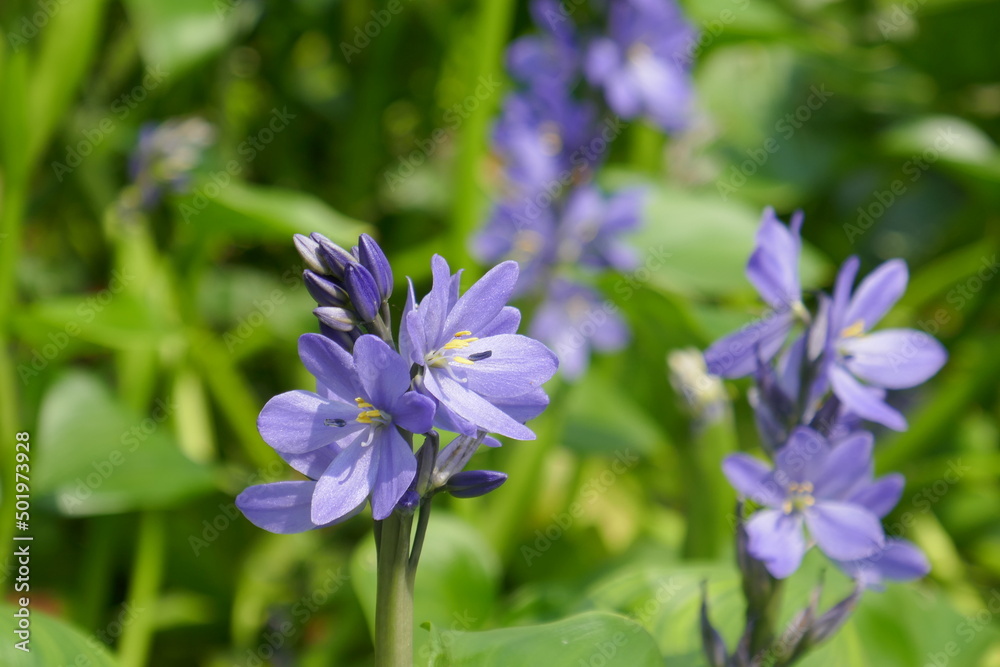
394 594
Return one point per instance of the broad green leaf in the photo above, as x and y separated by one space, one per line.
247 211
96 457
593 638
456 583
951 140
175 36
52 642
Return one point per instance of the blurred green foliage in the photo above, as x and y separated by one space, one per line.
138 350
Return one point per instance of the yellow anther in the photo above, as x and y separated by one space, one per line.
806 486
459 334
367 416
855 329
459 343
362 403
463 360
808 501
786 507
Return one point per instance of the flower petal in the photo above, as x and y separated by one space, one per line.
313 463
774 265
735 355
877 293
848 466
776 539
383 373
506 322
330 364
866 402
474 408
844 531
894 358
281 507
484 301
752 478
396 468
515 365
842 296
880 495
413 411
346 483
301 421
434 307
803 458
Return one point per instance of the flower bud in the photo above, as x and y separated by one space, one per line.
309 252
339 319
373 259
361 287
323 290
335 257
711 640
474 483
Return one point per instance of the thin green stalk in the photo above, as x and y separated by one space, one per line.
710 495
646 147
144 585
95 570
394 595
491 30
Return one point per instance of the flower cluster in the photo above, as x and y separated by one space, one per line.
577 84
459 366
819 374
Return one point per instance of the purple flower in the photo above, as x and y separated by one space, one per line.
574 319
642 65
549 63
484 376
529 240
774 270
593 226
863 364
813 485
898 560
344 436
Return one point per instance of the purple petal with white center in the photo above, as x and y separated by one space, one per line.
894 358
866 402
736 355
774 265
877 293
482 302
752 478
474 408
396 468
776 539
346 484
330 364
383 373
844 531
281 507
881 495
413 411
516 365
301 421
803 458
848 466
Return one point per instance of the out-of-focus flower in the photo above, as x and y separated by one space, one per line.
811 486
641 63
593 228
484 375
575 319
703 393
346 431
898 560
774 270
164 158
864 364
530 240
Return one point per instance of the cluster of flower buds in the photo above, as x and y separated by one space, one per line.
818 377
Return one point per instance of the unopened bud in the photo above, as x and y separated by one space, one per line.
474 483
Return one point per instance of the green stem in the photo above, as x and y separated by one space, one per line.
147 574
394 596
646 148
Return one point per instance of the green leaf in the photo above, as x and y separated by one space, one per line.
96 457
456 583
587 639
177 35
52 642
254 212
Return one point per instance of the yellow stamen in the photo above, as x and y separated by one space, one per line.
855 329
463 360
367 416
786 507
459 344
459 334
362 403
